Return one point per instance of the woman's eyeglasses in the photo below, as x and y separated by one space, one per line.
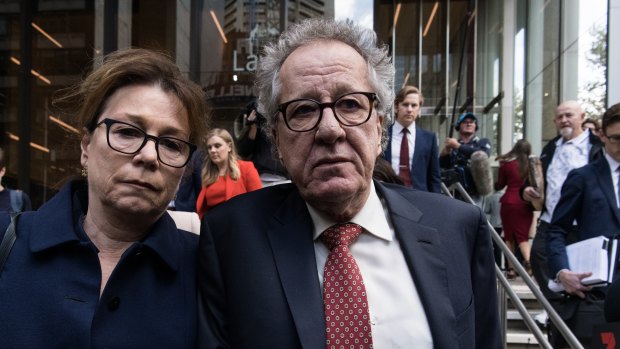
129 139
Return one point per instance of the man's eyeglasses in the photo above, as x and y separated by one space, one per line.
613 139
351 109
129 139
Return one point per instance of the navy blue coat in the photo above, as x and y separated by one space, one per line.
424 170
50 285
259 281
588 197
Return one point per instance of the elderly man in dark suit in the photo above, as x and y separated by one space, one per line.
412 151
335 259
589 197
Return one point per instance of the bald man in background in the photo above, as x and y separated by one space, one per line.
571 149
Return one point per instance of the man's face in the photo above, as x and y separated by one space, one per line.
407 111
467 127
331 163
611 138
568 119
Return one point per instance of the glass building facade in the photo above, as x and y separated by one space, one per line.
48 45
510 62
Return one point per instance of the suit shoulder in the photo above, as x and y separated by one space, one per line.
583 170
261 200
428 201
426 133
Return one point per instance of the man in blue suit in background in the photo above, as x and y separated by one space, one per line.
589 197
415 161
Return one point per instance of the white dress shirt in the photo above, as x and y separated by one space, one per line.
397 138
615 173
396 312
568 155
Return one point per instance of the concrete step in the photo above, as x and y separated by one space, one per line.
521 340
515 320
518 335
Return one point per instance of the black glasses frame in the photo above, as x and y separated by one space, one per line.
372 97
613 139
109 122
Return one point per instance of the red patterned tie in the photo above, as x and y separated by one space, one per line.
347 318
404 168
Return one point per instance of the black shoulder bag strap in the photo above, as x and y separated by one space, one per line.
8 240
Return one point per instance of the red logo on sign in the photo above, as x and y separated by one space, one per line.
609 339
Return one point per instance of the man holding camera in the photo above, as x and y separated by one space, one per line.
252 144
455 156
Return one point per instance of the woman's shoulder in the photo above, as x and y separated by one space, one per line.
245 165
508 162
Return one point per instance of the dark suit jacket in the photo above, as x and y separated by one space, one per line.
588 197
425 163
260 288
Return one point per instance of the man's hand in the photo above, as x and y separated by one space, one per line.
448 145
251 119
530 194
572 282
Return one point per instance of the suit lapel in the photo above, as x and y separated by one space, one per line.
607 186
290 236
423 253
418 149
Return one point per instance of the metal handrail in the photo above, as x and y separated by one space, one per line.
561 326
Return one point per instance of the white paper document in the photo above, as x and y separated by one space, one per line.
591 255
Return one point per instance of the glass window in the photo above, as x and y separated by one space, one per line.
59 53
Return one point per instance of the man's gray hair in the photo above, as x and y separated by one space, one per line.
363 40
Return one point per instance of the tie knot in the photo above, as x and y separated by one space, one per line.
341 234
405 131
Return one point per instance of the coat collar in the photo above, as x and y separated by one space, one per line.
60 218
603 174
290 236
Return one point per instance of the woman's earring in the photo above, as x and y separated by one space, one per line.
84 171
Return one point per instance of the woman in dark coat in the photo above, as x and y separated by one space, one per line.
102 264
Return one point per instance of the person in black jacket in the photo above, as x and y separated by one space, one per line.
11 200
253 144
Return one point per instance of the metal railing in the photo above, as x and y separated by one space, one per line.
506 289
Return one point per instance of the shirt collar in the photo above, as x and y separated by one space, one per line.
67 209
398 128
613 164
370 217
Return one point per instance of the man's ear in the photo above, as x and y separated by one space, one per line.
84 144
2 171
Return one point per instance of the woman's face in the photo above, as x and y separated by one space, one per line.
138 184
219 150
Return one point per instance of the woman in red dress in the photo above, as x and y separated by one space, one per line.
515 213
223 174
